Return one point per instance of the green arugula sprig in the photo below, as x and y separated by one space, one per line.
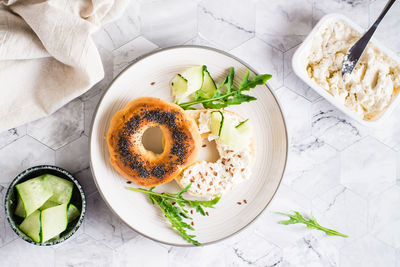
226 95
311 223
177 213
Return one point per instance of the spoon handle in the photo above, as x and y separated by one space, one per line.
379 19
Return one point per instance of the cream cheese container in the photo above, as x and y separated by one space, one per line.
300 62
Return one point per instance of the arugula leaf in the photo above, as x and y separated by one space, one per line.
176 214
230 96
311 223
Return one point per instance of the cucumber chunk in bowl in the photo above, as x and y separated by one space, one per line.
54 221
34 193
64 188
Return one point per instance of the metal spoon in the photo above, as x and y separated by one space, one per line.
355 52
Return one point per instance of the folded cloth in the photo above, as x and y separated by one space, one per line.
47 56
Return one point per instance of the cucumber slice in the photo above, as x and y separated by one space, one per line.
235 136
61 188
54 221
34 193
209 88
73 212
31 226
178 87
48 204
229 135
54 238
217 121
19 210
195 78
244 130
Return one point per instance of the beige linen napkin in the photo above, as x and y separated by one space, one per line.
47 56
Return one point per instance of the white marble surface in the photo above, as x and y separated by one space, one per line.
347 175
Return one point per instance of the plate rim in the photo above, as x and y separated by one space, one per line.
159 50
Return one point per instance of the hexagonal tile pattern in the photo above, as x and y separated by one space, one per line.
167 23
313 167
368 167
283 24
101 224
60 128
286 200
210 255
387 28
384 214
83 251
6 233
141 251
21 154
199 40
354 9
225 26
270 61
11 135
74 156
117 33
291 81
311 250
89 109
297 112
389 131
263 254
86 180
334 127
124 55
368 252
21 253
343 210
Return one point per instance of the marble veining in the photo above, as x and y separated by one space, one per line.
345 174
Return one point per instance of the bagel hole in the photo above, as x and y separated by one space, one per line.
208 151
152 140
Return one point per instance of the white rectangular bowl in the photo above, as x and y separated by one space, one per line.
299 63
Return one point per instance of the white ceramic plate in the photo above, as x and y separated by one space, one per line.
228 217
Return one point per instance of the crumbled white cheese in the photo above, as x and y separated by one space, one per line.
215 178
374 81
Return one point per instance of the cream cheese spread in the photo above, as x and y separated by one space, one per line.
232 167
374 81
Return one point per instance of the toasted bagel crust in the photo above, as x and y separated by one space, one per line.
181 141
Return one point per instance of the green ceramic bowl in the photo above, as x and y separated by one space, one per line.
78 199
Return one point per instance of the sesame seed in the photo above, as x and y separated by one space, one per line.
245 201
239 156
192 223
153 83
239 203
